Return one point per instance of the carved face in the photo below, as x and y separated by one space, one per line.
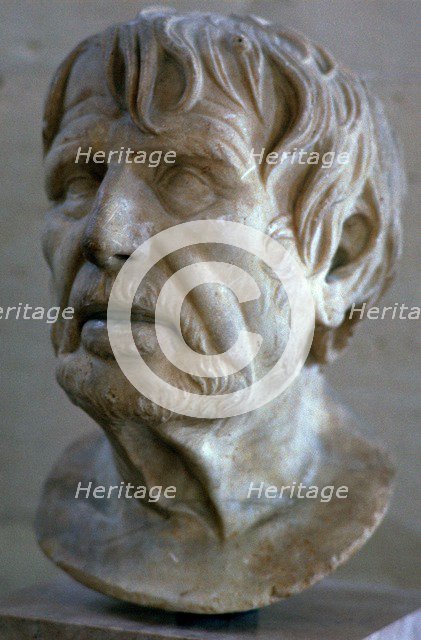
102 212
210 90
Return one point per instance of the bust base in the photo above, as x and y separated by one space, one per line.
119 547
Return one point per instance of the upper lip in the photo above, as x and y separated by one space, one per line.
89 296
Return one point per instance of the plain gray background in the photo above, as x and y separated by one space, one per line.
377 378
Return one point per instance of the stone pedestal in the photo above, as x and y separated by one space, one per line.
332 610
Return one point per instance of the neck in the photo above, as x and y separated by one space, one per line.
215 465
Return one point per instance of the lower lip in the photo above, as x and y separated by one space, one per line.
94 337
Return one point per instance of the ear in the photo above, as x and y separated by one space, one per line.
358 272
355 236
343 282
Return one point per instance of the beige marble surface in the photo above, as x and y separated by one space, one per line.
378 379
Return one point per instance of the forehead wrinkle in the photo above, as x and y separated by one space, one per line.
97 104
222 141
78 130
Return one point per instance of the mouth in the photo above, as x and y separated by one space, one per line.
94 333
99 313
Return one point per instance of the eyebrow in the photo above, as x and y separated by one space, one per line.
232 150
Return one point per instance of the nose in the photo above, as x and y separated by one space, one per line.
123 216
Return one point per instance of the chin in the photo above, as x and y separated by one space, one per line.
100 388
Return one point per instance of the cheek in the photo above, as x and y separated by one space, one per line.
51 233
61 242
63 225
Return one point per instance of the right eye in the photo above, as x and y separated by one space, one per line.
81 185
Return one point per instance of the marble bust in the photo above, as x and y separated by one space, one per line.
219 94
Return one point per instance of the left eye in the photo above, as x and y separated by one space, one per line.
187 191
